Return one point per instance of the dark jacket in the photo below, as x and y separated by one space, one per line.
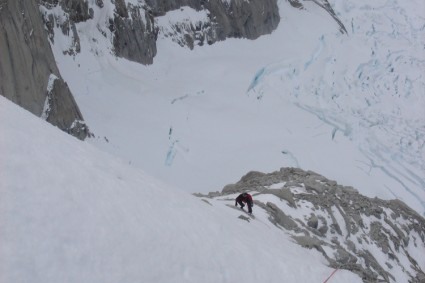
244 197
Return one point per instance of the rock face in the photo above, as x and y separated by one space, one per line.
73 12
135 30
377 239
136 26
27 65
28 72
247 19
236 18
131 28
135 33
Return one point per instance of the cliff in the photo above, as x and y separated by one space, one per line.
132 27
29 75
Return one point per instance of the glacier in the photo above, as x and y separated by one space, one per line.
347 105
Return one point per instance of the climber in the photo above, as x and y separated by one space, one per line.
245 198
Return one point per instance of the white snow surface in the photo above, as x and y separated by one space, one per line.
350 107
72 213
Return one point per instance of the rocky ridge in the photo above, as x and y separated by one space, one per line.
224 19
134 29
29 75
374 238
133 26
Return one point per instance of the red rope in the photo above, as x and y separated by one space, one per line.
330 275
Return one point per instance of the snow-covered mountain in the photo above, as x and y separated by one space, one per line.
72 213
177 92
337 88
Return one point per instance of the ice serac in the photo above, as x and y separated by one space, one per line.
27 65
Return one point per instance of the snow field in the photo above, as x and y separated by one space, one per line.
71 213
346 106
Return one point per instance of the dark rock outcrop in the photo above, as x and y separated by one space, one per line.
246 19
27 66
134 32
160 7
134 29
374 238
78 10
236 18
134 25
74 11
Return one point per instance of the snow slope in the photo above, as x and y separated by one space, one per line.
71 213
347 106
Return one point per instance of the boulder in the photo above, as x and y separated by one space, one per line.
313 221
